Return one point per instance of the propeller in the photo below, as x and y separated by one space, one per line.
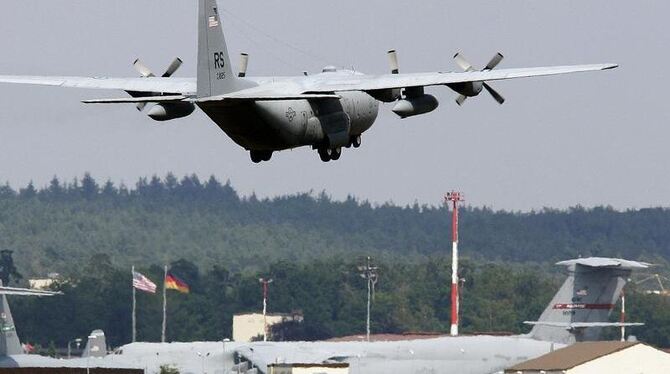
466 66
145 72
393 61
244 62
395 69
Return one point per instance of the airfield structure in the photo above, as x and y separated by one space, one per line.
623 314
454 197
265 283
369 273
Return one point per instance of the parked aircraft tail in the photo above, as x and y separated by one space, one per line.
215 74
9 340
96 345
582 306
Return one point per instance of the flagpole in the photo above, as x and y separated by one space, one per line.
134 307
164 306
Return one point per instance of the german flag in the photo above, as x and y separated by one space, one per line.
174 283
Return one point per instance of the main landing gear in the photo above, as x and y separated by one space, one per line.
258 156
327 154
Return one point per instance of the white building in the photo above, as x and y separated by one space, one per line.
336 368
248 326
598 357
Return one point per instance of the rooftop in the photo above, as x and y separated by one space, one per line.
571 356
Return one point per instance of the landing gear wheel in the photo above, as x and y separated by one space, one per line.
356 141
325 154
336 153
258 156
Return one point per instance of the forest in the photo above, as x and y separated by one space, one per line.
220 243
56 227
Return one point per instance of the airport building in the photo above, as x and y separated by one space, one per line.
247 327
338 368
611 357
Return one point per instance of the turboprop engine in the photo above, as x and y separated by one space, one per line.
470 89
161 111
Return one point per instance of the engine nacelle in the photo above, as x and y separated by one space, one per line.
468 88
412 106
168 111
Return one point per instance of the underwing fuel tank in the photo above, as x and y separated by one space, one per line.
168 111
412 106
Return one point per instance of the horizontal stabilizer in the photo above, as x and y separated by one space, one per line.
577 325
135 100
26 292
605 262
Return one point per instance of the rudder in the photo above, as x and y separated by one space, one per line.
215 75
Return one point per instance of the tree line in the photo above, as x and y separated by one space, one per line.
56 227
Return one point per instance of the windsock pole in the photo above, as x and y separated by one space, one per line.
454 197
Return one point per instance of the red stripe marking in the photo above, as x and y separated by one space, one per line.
583 306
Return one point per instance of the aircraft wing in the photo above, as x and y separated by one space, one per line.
268 93
391 81
152 84
26 291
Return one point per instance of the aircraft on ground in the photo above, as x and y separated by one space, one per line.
326 111
12 354
578 312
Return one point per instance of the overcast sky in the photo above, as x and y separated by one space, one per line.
589 139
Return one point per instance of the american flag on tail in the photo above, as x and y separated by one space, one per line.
143 283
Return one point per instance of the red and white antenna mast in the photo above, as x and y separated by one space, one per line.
454 197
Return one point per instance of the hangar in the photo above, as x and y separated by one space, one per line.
610 357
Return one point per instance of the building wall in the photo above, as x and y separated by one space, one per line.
320 370
40 284
639 358
249 326
307 369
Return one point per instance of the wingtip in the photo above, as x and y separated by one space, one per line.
610 66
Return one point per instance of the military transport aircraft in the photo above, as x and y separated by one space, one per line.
326 111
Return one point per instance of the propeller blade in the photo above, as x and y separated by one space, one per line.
393 61
494 93
494 61
176 63
142 69
462 62
244 63
461 99
140 106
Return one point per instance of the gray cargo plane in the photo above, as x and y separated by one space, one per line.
578 312
12 354
327 111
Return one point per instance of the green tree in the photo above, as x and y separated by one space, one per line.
8 270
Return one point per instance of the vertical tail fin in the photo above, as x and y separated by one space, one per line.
96 345
582 306
215 75
9 340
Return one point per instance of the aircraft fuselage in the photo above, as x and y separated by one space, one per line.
267 126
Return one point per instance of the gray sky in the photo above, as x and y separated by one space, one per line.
595 138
